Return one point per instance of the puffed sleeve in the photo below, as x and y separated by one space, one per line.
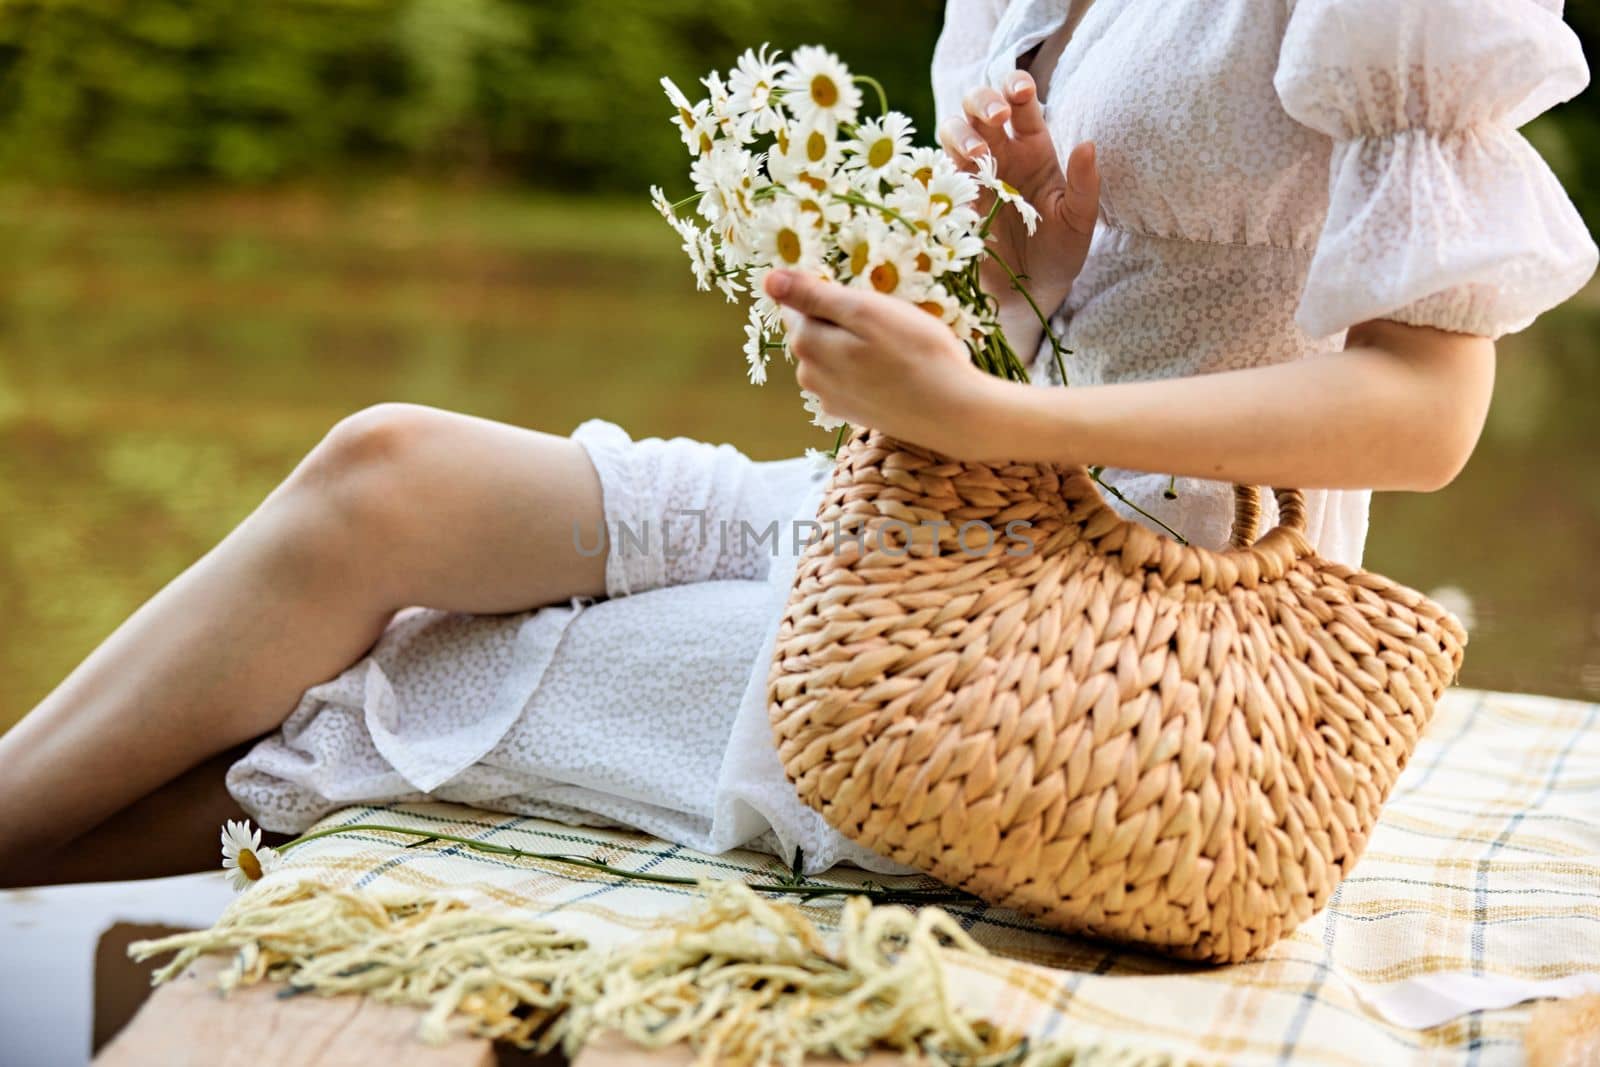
963 46
1439 212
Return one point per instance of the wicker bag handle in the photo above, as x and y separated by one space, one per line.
1247 513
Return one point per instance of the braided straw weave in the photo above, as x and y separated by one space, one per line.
1114 732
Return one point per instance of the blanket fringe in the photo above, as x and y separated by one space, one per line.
743 980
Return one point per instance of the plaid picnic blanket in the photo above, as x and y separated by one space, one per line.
1480 888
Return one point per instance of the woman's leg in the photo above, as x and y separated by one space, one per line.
398 506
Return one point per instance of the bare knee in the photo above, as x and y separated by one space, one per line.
372 444
356 497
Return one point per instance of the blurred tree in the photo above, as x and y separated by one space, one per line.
554 93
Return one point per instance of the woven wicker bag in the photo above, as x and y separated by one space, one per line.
1116 733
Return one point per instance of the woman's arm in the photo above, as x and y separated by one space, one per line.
1400 408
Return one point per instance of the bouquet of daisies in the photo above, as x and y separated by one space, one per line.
789 174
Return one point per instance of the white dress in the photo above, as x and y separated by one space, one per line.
1272 173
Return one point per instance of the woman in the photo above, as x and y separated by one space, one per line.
1281 246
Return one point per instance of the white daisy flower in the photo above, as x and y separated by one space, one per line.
892 268
751 86
823 207
968 325
951 191
695 123
810 152
717 93
702 253
728 284
818 86
723 114
762 306
813 404
821 462
675 95
243 855
949 248
786 238
880 145
989 178
857 239
936 300
726 179
756 355
946 202
737 248
923 164
658 198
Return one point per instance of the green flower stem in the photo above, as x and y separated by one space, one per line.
1094 472
883 97
686 201
1056 347
916 897
852 198
988 220
839 439
770 191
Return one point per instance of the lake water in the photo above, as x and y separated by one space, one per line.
164 362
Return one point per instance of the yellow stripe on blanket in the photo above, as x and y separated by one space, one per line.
1480 889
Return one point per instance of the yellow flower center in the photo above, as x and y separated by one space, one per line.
932 308
942 202
823 91
885 278
923 174
924 263
880 153
783 141
788 245
816 183
858 258
816 146
687 116
812 207
705 142
249 865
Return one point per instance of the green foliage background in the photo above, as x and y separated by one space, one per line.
555 94
1569 136
551 93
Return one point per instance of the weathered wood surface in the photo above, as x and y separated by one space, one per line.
610 1050
187 1022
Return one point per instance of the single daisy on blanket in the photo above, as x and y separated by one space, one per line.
242 854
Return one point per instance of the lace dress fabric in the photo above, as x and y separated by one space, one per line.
647 709
1273 173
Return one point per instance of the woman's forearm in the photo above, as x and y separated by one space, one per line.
1400 408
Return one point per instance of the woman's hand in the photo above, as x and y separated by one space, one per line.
878 361
1068 200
